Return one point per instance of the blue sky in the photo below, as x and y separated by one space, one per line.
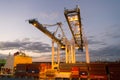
100 20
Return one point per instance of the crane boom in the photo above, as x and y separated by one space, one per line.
74 22
45 31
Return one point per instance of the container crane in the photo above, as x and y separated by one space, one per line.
74 22
60 42
41 27
78 41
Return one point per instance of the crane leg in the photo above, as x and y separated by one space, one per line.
52 54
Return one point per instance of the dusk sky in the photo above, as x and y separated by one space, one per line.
100 22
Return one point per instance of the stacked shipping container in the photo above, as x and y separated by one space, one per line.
92 71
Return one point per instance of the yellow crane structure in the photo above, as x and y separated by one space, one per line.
78 41
52 36
74 22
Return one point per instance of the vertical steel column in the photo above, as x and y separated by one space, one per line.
87 53
52 54
66 52
72 54
58 54
74 57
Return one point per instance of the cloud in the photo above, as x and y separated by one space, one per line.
9 45
25 44
93 42
43 58
113 31
111 53
109 36
105 46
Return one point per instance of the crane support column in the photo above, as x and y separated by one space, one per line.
66 51
87 54
58 54
73 54
52 54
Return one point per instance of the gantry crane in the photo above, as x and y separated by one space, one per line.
74 22
60 42
78 41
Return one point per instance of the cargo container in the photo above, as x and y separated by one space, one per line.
33 70
92 71
65 67
75 72
83 72
21 70
43 70
97 71
114 71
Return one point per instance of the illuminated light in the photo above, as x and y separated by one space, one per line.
83 73
34 24
63 47
73 18
78 29
77 23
